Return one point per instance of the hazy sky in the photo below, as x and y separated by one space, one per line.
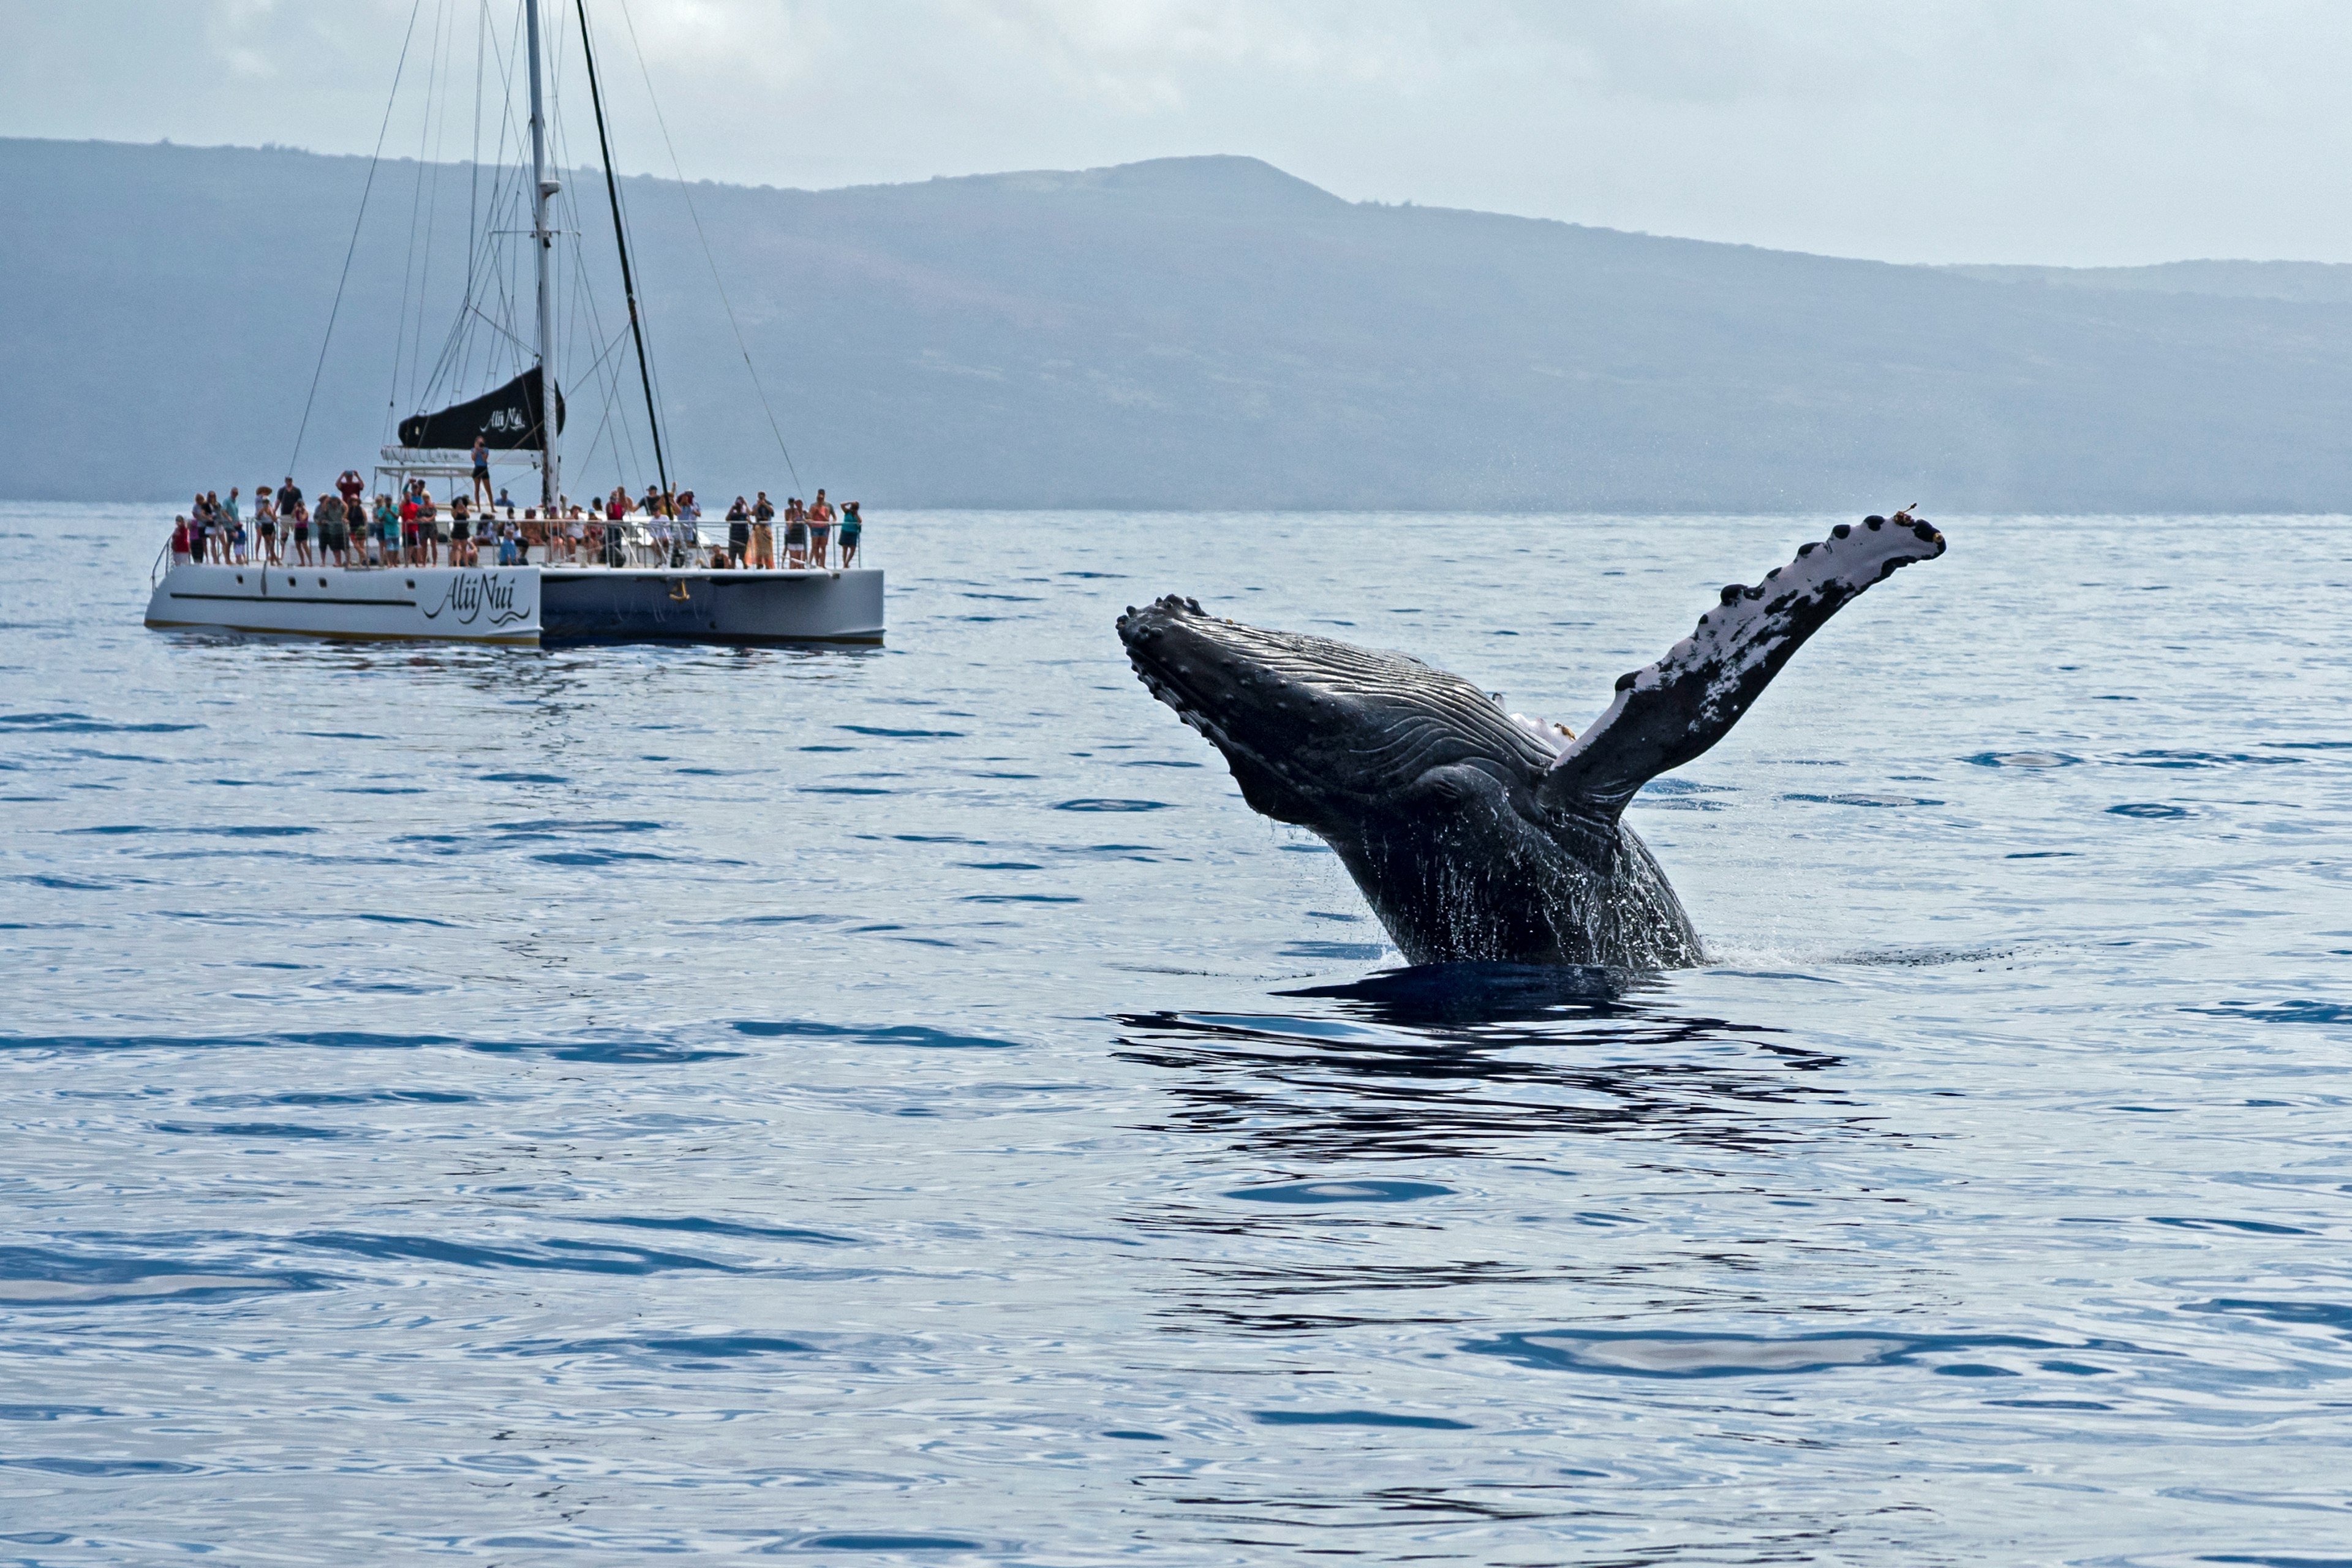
2079 132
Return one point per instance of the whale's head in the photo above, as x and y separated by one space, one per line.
1321 732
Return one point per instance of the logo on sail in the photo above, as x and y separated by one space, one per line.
480 595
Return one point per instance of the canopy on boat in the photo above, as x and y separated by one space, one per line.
507 418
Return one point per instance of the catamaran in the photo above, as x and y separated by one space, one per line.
643 587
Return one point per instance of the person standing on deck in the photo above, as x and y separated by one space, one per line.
264 522
851 528
235 522
738 531
481 471
820 522
330 527
796 532
764 532
409 518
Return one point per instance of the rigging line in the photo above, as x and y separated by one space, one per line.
640 333
482 247
608 386
336 309
408 270
482 242
661 396
621 239
506 186
708 258
496 326
610 398
444 37
584 297
473 175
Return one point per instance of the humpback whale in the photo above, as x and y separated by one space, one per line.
1478 835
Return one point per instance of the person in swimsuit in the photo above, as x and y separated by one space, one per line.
481 471
796 534
264 522
461 534
301 515
820 522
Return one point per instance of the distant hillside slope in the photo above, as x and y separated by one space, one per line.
2307 282
1191 332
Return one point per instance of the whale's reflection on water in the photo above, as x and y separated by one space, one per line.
1467 1059
1349 1133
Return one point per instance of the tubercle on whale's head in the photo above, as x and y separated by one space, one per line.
1317 731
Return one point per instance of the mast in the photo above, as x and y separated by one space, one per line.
541 188
621 237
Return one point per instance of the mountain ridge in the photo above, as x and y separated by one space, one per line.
1188 333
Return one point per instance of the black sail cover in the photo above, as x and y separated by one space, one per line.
508 420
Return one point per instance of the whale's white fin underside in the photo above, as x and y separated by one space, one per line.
1669 711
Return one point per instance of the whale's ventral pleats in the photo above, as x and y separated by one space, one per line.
1477 834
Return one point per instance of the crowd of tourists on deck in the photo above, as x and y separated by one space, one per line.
343 526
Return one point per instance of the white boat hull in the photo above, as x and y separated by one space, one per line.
523 603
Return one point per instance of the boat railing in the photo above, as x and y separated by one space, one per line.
642 551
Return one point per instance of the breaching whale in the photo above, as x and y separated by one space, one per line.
1475 834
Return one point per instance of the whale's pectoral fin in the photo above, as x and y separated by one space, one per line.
1668 712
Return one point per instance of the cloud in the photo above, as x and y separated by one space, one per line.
2099 130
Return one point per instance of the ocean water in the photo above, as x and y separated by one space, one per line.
899 1105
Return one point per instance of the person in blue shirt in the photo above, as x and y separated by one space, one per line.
852 527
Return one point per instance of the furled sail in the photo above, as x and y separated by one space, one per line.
507 418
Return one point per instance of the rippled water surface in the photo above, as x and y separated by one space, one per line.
900 1105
